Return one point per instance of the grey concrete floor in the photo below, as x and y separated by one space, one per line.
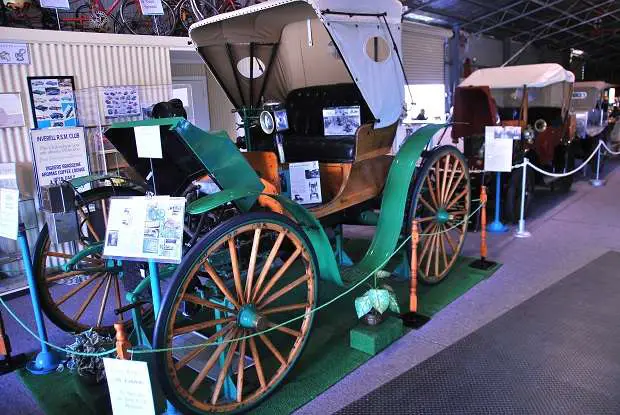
568 231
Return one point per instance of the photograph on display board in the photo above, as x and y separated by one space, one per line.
52 100
341 120
11 112
120 101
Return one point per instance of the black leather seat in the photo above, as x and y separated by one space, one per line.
305 139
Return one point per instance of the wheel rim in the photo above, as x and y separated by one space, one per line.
86 294
442 203
273 280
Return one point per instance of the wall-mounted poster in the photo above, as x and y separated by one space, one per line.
53 101
11 112
14 53
120 101
59 154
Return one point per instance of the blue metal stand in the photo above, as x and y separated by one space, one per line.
497 226
47 360
341 256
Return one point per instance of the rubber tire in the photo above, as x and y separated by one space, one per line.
564 184
512 201
47 304
418 182
159 339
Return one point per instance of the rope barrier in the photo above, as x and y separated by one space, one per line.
272 328
614 153
538 169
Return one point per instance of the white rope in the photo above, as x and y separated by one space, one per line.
615 153
538 169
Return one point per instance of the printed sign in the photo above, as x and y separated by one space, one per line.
8 176
55 4
11 112
130 387
151 7
9 213
14 53
59 154
498 142
53 101
120 101
305 182
148 141
145 228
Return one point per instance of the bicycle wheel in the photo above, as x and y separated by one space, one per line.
84 295
203 9
139 24
186 14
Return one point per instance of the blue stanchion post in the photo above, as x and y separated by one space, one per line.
497 226
47 360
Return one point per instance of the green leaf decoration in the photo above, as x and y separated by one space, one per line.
394 308
363 305
382 274
380 299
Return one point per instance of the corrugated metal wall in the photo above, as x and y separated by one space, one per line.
220 108
92 64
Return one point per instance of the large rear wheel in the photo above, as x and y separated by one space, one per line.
249 274
441 204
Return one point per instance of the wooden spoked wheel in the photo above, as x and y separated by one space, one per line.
249 274
85 294
441 204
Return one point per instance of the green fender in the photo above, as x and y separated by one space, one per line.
394 201
328 268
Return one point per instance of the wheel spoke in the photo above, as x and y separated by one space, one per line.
224 371
207 367
232 248
201 326
206 303
430 255
272 348
426 204
450 241
117 290
220 284
426 219
457 198
194 353
241 368
276 277
106 292
63 275
88 300
428 241
93 261
437 243
252 264
444 178
283 291
431 190
448 186
456 186
104 211
283 308
443 247
257 364
284 329
90 226
267 266
74 291
437 183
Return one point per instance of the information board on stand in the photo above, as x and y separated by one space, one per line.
498 143
130 387
145 228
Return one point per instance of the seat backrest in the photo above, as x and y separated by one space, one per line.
305 107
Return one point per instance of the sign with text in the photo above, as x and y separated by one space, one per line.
14 53
8 176
151 7
130 387
305 182
148 141
9 213
498 142
145 227
59 154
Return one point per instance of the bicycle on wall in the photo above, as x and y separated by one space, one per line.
204 9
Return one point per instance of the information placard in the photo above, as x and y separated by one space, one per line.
148 141
151 7
9 213
59 154
14 53
130 387
55 4
8 176
498 143
305 182
145 227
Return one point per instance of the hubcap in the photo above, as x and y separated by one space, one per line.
249 318
442 216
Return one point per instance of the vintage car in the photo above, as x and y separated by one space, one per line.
534 97
591 109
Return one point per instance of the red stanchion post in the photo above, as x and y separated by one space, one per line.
122 344
483 263
413 284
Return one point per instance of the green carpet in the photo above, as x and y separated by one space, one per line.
327 357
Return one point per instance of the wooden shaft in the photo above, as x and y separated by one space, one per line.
413 295
5 344
122 343
483 223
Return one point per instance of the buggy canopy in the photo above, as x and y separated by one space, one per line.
532 76
267 50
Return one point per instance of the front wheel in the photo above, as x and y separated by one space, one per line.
140 24
441 203
251 273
